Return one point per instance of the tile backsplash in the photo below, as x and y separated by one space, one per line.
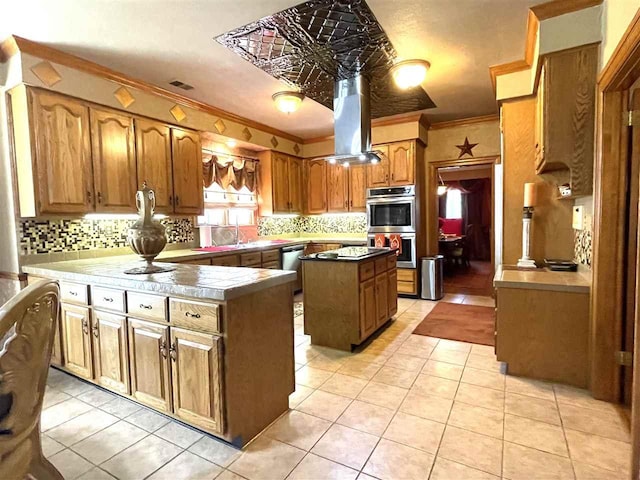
583 247
350 223
63 235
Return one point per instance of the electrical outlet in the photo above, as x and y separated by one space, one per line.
578 217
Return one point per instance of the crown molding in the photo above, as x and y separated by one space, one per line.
15 44
494 117
556 8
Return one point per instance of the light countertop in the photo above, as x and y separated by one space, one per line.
348 254
542 279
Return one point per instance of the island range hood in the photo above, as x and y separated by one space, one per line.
352 122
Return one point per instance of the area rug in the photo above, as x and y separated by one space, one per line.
465 323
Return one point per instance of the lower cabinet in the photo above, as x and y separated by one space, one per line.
382 300
110 354
392 292
76 339
368 311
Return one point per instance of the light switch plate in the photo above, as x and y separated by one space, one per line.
578 217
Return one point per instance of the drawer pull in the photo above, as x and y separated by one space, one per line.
173 353
192 315
95 331
108 299
85 327
146 307
72 293
163 349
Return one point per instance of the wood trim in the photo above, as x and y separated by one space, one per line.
555 8
624 64
494 117
505 68
532 37
62 58
18 277
8 48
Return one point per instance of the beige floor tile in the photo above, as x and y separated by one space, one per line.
62 412
405 362
371 355
524 463
187 466
315 467
120 407
479 301
472 449
421 341
108 442
141 459
395 376
443 370
182 436
383 395
415 432
72 385
326 363
441 387
422 352
81 427
584 471
229 475
486 350
534 434
356 368
312 377
96 397
324 405
301 392
445 344
589 421
449 356
266 458
599 451
531 407
484 362
364 476
147 420
53 397
50 446
429 407
582 398
530 387
346 446
366 417
477 419
391 460
444 469
304 353
95 474
344 385
480 396
453 298
298 429
215 451
482 378
70 464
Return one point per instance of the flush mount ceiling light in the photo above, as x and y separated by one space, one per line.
410 73
288 102
231 143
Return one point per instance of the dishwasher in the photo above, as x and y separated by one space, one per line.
291 261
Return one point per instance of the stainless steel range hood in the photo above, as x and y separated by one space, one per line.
352 117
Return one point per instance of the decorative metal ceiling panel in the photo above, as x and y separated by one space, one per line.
313 44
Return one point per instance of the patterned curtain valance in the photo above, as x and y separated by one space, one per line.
236 172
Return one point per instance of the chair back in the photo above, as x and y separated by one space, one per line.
27 324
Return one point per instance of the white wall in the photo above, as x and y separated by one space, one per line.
616 17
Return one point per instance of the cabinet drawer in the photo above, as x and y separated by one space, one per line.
253 259
407 287
391 261
272 265
147 306
204 317
381 265
271 256
226 261
74 293
107 298
366 271
406 275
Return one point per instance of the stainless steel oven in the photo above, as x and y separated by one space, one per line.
391 209
407 257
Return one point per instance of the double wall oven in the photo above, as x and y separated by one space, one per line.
392 210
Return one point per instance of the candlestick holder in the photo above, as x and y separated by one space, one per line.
526 261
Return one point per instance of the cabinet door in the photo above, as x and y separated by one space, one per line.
392 292
111 358
76 339
197 378
539 122
114 161
280 180
382 301
188 189
63 154
56 350
149 363
378 174
295 185
357 189
316 186
337 188
402 163
153 155
367 308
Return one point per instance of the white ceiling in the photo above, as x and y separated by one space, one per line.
162 40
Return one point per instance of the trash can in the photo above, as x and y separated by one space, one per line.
432 281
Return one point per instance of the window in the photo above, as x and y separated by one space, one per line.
454 203
226 207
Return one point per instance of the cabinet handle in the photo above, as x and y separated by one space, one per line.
89 196
108 299
72 293
99 197
170 199
146 307
85 327
386 177
173 352
351 203
95 331
163 349
392 176
177 200
192 315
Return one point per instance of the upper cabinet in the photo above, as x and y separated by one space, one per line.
187 172
357 189
564 132
153 155
338 188
378 174
280 183
397 167
316 183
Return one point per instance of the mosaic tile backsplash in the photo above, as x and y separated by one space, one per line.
583 247
50 236
352 223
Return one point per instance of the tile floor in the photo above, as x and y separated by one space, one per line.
403 407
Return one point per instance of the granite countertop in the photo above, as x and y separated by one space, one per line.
193 281
348 254
542 279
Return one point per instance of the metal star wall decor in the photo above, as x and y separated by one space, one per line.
466 148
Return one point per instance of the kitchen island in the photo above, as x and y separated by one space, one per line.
349 293
211 346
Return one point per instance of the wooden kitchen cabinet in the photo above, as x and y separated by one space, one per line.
110 354
149 363
76 339
357 189
402 163
280 183
368 307
337 188
153 157
378 174
382 300
295 185
114 161
197 378
392 291
316 186
186 154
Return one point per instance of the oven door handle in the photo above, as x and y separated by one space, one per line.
393 200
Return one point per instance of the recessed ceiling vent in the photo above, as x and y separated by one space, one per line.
182 85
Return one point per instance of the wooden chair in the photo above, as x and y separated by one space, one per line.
27 324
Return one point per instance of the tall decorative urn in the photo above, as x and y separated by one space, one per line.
147 237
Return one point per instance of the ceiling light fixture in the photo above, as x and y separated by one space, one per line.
231 143
410 73
442 188
288 102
